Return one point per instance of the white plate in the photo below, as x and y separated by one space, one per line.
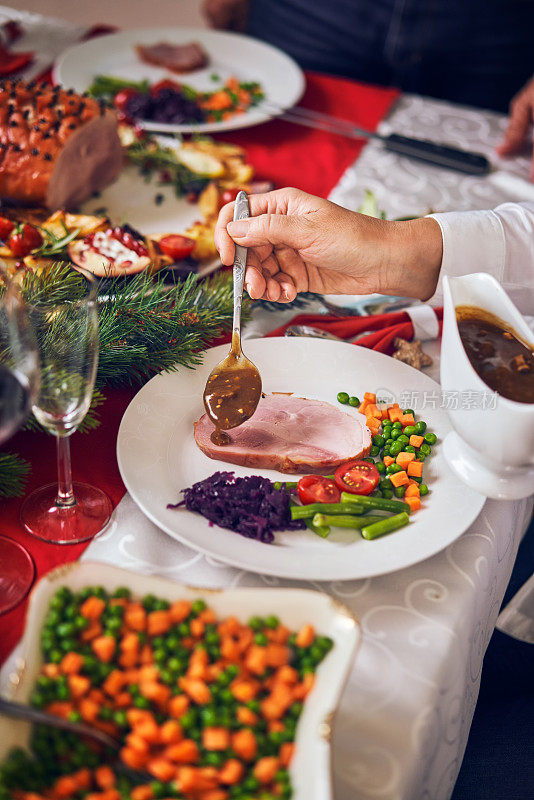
310 768
231 54
158 457
131 199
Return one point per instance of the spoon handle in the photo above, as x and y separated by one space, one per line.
241 211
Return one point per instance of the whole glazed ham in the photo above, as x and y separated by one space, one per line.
290 434
56 147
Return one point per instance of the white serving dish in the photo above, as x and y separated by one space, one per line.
310 769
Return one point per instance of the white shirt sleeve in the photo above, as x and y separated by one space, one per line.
499 242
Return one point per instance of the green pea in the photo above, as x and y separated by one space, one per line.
354 402
378 440
161 605
159 789
184 629
403 439
409 448
256 623
387 493
386 451
148 602
374 451
425 449
232 670
389 441
106 713
123 592
254 705
369 459
399 491
396 432
420 456
209 717
261 639
409 411
386 484
214 759
381 467
431 438
410 430
272 622
392 468
343 397
397 425
167 676
141 702
423 489
420 427
395 449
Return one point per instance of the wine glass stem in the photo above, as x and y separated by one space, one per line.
65 491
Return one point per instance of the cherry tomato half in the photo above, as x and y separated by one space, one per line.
316 489
6 226
176 246
357 477
23 240
120 101
166 83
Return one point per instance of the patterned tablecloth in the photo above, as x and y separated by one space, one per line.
405 715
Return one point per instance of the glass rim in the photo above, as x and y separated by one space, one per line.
90 299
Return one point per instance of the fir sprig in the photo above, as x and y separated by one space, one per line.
14 473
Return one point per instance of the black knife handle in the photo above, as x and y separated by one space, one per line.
439 154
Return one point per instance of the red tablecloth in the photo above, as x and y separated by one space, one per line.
290 156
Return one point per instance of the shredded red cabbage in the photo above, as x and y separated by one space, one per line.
250 506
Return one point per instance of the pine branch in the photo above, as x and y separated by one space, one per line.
14 473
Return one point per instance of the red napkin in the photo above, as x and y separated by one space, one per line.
382 328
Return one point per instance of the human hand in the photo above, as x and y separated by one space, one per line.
516 135
229 15
300 243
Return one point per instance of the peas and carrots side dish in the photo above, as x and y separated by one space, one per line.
207 707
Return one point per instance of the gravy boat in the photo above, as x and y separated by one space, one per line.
492 445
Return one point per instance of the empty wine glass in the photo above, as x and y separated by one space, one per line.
19 385
67 335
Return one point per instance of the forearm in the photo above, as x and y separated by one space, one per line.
413 255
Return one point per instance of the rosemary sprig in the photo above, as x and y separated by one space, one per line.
54 245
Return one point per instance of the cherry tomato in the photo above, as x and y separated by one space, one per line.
357 477
23 240
167 83
228 196
6 226
176 246
316 489
120 100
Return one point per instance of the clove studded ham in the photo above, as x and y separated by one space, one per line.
56 147
290 434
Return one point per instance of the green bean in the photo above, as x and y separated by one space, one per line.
375 502
386 525
320 530
304 512
287 485
345 520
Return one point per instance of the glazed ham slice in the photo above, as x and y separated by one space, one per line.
290 434
178 58
56 147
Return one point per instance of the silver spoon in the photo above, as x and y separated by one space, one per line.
233 388
14 710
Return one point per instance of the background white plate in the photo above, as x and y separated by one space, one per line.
158 456
310 767
231 54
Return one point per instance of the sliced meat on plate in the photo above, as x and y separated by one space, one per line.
174 57
290 434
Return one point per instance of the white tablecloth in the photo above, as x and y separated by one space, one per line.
405 715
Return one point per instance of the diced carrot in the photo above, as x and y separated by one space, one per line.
231 772
266 768
60 708
403 459
148 730
89 709
399 478
65 786
414 503
244 691
208 616
256 659
306 636
395 414
114 682
161 769
280 635
370 396
135 617
79 685
363 406
277 655
228 627
407 419
214 794
388 460
135 742
129 643
156 692
184 752
416 441
109 794
412 490
170 732
287 674
244 744
146 656
246 716
104 648
97 696
197 627
216 738
106 726
158 622
91 632
276 726
302 690
144 792
82 778
287 750
245 639
275 705
229 649
180 610
415 469
217 102
92 608
137 715
71 663
196 689
194 780
105 777
132 758
372 410
178 705
197 664
51 670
